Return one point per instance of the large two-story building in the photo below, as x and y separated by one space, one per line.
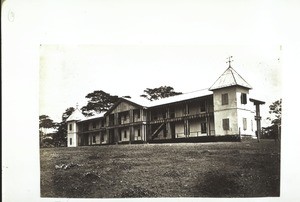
224 109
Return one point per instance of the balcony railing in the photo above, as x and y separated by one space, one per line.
183 117
191 134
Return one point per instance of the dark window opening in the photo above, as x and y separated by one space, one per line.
226 124
225 99
138 114
86 127
202 107
70 141
70 126
203 127
120 137
244 98
139 132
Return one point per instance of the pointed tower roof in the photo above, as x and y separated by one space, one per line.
230 78
76 115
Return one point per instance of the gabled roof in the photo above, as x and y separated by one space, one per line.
76 116
122 100
229 78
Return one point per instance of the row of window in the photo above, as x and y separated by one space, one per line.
101 138
226 124
225 100
125 134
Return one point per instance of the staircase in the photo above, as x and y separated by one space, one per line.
157 131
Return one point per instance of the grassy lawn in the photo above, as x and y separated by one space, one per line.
231 169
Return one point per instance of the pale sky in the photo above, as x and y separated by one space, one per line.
69 72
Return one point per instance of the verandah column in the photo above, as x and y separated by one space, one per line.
131 130
168 125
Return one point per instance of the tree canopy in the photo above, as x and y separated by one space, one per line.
158 93
46 122
275 112
98 101
67 113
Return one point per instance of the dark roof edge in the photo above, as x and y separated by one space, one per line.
257 101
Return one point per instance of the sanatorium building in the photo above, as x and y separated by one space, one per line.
223 110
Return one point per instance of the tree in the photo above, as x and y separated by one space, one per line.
99 101
158 93
275 112
67 113
45 123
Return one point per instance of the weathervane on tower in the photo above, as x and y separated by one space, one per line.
229 60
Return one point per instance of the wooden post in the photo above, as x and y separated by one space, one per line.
258 118
186 128
131 134
141 115
116 135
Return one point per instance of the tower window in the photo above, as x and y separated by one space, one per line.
225 124
225 99
70 141
70 126
244 98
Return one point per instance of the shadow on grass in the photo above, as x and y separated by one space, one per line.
216 184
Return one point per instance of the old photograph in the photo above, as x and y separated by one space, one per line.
143 100
159 121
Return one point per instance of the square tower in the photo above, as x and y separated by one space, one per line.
232 110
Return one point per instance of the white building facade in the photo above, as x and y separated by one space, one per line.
223 112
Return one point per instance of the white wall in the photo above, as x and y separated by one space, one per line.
72 134
123 134
179 128
195 127
135 131
229 111
250 130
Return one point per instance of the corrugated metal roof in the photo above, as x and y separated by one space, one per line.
177 98
100 115
76 116
229 78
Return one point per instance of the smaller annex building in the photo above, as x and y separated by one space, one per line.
225 109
